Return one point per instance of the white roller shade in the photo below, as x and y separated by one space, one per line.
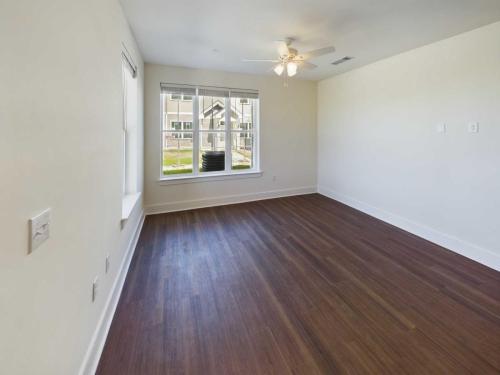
167 88
209 91
178 89
244 94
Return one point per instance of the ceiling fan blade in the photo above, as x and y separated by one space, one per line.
257 60
307 65
317 52
283 47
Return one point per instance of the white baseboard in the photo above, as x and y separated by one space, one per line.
471 251
228 199
91 359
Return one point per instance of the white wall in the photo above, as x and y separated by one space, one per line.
378 148
60 147
287 143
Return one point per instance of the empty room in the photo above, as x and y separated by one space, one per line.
250 187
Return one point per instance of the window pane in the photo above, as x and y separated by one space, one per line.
242 149
177 153
212 112
242 111
212 154
176 112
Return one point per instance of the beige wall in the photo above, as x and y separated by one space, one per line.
378 148
287 138
60 147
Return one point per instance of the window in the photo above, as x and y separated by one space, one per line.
187 125
213 131
176 125
129 136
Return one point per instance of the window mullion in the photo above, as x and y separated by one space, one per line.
229 138
196 134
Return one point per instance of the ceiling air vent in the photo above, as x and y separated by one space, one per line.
342 60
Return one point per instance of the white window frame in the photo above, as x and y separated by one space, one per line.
196 174
130 188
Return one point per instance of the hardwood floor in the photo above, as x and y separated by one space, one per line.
299 285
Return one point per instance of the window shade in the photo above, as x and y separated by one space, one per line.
177 89
129 66
167 88
208 91
245 94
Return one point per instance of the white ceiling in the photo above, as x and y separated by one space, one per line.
217 34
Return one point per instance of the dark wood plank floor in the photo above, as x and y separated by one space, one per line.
299 285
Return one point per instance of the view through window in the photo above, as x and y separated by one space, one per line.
208 130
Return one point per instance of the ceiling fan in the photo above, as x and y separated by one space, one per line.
290 60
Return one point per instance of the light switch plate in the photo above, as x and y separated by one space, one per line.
39 229
473 127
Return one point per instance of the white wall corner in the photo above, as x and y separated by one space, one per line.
94 350
468 250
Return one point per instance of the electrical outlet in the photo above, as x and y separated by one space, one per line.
95 288
473 127
39 229
106 267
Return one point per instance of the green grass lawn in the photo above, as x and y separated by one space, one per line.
241 166
175 160
181 161
174 157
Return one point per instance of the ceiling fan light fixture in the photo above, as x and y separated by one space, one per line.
291 69
278 69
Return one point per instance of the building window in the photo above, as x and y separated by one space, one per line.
214 132
176 125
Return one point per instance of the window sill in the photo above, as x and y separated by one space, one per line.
208 177
128 204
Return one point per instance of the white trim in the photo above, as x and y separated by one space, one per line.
208 176
471 251
228 139
96 345
228 199
128 204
